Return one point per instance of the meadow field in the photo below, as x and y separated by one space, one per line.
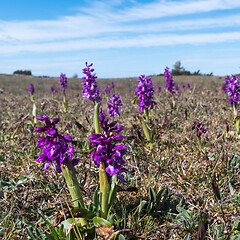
183 186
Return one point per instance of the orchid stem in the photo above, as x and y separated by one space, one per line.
147 134
103 179
73 186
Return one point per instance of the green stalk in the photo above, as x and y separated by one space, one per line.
173 103
147 134
104 189
34 113
73 186
147 115
96 118
64 103
104 184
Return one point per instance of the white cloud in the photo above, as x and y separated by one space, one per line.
103 19
103 25
161 8
149 40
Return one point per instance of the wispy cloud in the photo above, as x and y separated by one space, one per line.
139 41
158 9
103 25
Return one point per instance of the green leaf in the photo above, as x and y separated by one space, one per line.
152 195
84 213
48 236
121 237
112 195
187 237
159 195
231 189
60 231
184 212
235 237
96 199
34 112
54 233
141 205
40 234
235 225
31 234
98 221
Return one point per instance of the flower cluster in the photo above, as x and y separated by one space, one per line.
200 129
170 83
89 86
113 105
232 88
106 148
159 89
54 146
145 91
177 89
31 89
63 82
188 85
106 90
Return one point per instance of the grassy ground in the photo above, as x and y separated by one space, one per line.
170 188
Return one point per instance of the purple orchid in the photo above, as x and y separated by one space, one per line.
106 148
232 88
113 105
145 91
89 86
106 90
200 129
31 89
54 146
112 85
51 89
170 83
177 89
183 85
159 89
63 82
188 85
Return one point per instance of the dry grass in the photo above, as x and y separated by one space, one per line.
178 163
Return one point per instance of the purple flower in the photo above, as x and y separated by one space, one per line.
183 85
231 86
63 82
89 86
106 90
112 85
169 84
159 89
200 129
31 89
177 89
113 105
51 89
106 148
145 91
54 146
188 85
233 90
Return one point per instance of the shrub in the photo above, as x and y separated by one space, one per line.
23 72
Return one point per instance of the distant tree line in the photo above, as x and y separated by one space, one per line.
23 72
178 69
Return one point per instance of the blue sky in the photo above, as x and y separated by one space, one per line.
122 38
